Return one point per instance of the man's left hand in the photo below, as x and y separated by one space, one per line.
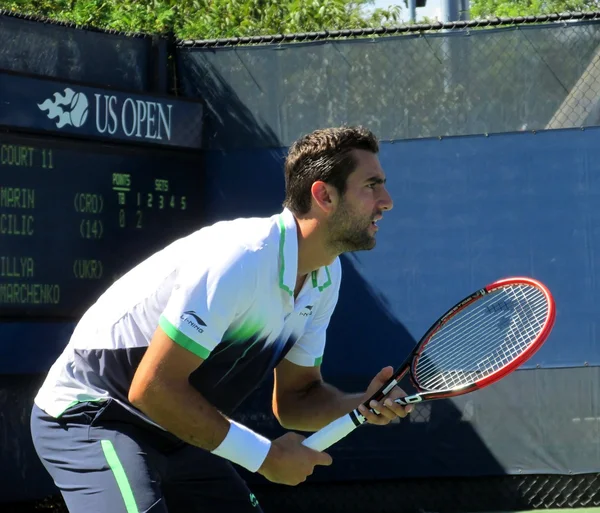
387 408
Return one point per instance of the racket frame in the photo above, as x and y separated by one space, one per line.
410 363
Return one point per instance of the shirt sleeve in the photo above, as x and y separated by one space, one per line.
309 348
207 298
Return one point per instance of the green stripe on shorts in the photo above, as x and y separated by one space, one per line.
119 472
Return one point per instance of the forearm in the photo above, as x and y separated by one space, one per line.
316 406
184 412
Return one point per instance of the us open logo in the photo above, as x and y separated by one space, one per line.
113 114
69 109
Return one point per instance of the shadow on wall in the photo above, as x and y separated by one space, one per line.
228 122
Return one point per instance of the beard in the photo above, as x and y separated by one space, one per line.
350 231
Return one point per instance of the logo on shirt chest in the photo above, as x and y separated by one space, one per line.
193 319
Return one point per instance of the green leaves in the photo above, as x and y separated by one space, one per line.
514 8
206 19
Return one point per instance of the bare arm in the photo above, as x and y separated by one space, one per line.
303 401
161 390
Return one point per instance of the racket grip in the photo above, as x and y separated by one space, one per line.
330 434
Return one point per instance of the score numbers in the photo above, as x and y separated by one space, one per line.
139 201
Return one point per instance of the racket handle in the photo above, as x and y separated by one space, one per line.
331 433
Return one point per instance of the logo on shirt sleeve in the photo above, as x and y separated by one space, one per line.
193 319
307 311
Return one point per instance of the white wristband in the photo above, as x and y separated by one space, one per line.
244 447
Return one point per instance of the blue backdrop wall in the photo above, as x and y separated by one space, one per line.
468 210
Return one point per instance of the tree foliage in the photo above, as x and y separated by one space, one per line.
514 8
199 19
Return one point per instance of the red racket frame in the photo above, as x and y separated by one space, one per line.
410 363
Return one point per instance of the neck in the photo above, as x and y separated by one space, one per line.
313 250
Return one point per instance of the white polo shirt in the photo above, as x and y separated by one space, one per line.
225 293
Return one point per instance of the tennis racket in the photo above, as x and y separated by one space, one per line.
477 342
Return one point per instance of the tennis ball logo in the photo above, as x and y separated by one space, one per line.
79 110
70 108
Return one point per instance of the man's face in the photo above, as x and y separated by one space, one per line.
352 227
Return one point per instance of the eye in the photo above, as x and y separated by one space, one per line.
371 185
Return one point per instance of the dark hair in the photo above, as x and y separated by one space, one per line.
325 155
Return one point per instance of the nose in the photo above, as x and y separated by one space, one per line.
386 201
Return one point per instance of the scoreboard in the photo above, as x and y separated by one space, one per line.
80 208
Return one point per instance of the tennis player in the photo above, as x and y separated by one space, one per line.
135 415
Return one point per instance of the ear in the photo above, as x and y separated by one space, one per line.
324 195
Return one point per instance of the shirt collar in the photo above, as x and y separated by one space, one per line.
288 252
288 257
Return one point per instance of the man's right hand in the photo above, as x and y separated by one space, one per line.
289 462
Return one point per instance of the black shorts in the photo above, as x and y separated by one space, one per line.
104 459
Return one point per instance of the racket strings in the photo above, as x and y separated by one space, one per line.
455 330
457 326
455 373
458 341
482 339
490 359
508 351
465 342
